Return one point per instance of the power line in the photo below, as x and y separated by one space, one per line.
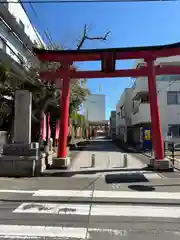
30 22
86 1
45 31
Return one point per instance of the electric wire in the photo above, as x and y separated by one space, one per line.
85 1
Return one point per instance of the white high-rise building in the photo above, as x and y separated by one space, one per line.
95 107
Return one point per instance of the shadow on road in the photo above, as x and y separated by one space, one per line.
141 188
98 146
125 178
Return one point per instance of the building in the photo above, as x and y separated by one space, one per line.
17 37
113 125
94 108
123 114
133 119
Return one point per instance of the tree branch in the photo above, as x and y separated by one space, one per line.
86 37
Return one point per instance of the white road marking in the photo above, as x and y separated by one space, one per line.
98 194
68 209
135 211
20 231
152 175
108 194
63 193
100 210
32 232
16 191
139 195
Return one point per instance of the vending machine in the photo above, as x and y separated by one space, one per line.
147 139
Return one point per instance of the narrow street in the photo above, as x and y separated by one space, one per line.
100 202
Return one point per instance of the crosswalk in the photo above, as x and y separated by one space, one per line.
62 219
100 210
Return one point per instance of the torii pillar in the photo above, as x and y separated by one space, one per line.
62 159
158 162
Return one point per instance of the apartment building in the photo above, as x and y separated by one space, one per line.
123 114
133 108
113 125
17 36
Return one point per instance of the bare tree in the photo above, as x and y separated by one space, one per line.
86 37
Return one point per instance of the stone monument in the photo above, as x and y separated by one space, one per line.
22 157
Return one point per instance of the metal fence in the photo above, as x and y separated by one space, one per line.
172 150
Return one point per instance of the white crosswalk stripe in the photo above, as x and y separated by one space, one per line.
44 232
98 194
100 210
107 194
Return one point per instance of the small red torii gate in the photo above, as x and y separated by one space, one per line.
108 59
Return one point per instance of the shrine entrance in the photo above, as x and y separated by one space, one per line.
108 69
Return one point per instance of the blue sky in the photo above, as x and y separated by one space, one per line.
131 24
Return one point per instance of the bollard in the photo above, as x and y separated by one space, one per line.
93 160
125 160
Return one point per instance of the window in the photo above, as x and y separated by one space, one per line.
145 99
21 24
35 43
122 112
173 98
21 59
174 129
2 44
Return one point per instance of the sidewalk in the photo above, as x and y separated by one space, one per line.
107 155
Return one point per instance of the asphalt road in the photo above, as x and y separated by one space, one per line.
114 204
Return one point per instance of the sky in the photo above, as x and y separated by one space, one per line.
131 24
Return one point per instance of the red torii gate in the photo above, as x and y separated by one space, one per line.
108 59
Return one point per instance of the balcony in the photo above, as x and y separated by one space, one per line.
142 115
140 87
15 26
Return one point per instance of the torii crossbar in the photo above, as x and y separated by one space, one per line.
108 69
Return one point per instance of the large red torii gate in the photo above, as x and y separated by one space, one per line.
108 59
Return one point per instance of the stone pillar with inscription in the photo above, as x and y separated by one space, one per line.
22 157
22 120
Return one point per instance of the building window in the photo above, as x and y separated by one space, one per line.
145 99
122 112
21 59
174 129
35 43
173 98
21 24
2 44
